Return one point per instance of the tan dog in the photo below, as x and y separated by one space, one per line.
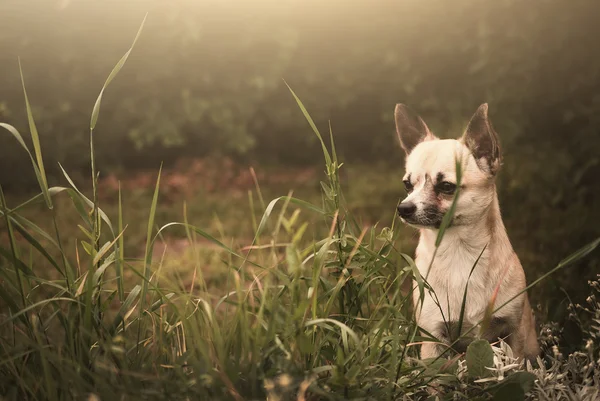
430 181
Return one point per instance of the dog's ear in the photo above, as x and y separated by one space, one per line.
483 141
411 128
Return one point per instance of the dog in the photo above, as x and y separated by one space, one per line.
475 233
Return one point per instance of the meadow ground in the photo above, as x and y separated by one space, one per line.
211 281
222 312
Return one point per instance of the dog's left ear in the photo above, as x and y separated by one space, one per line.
483 141
411 128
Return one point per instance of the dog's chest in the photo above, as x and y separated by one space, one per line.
448 276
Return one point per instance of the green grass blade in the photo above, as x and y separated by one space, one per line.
87 201
38 174
333 152
38 198
111 76
344 329
35 243
569 260
120 251
17 263
41 172
24 311
148 253
10 301
14 254
123 311
43 354
447 219
464 300
312 125
23 223
271 205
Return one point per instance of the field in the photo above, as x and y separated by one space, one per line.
302 297
215 280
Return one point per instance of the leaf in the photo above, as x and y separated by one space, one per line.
161 301
110 259
86 200
148 252
35 139
271 205
16 262
447 219
312 125
304 343
87 247
509 392
38 174
121 250
111 76
125 309
464 300
514 387
345 331
293 261
479 357
569 260
327 190
35 243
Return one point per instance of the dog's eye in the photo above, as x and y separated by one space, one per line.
408 185
446 187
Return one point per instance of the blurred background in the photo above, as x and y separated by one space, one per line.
203 92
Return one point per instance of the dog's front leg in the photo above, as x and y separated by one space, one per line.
430 350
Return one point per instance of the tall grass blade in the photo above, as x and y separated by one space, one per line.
35 243
569 260
464 300
38 173
125 308
44 302
120 251
447 219
35 139
88 202
312 125
14 255
148 254
38 198
111 76
333 152
271 205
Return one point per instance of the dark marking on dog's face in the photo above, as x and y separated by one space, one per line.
431 176
436 193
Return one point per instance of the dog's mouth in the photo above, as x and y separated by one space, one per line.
421 224
429 217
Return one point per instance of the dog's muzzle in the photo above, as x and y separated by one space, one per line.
406 210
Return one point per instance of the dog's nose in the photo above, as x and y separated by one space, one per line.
407 209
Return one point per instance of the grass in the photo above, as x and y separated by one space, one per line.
303 302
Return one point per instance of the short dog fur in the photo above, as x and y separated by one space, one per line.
430 180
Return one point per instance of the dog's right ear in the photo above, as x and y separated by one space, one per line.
482 140
411 128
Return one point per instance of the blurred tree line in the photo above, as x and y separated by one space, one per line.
206 78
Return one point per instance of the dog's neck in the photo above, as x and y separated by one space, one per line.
487 231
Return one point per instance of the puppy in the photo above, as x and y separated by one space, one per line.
475 231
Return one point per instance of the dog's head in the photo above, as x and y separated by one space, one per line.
431 179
